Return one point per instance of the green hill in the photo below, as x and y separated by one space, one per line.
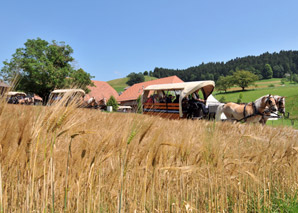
120 83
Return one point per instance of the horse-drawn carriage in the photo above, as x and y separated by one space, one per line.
15 97
190 100
67 95
179 100
23 98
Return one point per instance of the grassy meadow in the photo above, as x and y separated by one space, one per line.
80 160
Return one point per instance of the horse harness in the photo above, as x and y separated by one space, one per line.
255 112
280 103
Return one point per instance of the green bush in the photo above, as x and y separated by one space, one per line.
283 81
271 85
112 102
239 100
222 99
139 104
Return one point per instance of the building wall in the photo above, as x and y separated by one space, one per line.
132 103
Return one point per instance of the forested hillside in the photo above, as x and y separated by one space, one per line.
281 63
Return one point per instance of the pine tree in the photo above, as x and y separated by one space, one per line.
112 102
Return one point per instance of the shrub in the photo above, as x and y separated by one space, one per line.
139 104
112 102
222 99
283 81
239 100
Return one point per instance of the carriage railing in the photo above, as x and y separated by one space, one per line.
168 110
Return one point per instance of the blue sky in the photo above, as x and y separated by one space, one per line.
114 38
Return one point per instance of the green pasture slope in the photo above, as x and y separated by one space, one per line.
290 91
120 83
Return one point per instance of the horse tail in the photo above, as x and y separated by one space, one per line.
219 112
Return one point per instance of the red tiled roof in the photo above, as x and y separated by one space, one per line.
133 92
101 90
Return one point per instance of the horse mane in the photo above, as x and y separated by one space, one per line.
277 97
259 101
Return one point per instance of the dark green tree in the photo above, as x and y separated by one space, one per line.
267 72
112 102
295 78
224 83
145 73
135 78
244 78
43 67
289 77
79 78
278 71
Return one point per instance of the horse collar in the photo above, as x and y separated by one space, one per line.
244 111
255 111
254 107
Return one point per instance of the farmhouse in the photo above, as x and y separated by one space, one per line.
102 90
129 97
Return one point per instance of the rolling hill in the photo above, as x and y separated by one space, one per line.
120 83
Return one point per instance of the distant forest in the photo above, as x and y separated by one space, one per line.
281 63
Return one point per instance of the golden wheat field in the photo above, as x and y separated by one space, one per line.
79 160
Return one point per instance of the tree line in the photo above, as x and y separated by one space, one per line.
265 66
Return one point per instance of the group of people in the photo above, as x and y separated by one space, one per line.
191 104
21 100
163 99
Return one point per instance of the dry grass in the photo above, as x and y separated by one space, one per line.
67 159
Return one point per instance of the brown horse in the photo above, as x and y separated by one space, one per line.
90 103
281 106
252 112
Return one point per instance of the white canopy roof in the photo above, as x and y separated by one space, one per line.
212 101
124 107
186 88
16 93
57 91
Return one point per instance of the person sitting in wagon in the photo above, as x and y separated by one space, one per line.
170 99
162 99
150 99
200 102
